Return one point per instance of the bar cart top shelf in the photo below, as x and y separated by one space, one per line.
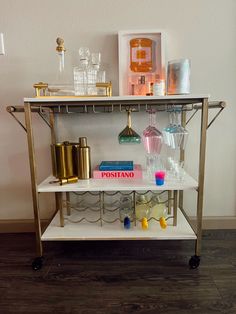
117 99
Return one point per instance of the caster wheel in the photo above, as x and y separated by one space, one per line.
37 263
194 262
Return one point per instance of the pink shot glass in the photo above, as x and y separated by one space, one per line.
160 177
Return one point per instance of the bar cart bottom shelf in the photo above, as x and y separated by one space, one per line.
115 231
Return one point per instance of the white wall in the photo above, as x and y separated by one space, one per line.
203 30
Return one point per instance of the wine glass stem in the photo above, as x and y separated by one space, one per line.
152 118
129 118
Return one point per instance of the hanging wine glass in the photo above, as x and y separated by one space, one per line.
176 138
128 135
167 138
152 139
179 133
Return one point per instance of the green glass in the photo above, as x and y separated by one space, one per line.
128 135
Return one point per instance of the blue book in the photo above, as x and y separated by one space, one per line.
116 165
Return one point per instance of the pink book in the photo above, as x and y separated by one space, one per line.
123 174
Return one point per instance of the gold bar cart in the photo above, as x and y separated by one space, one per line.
49 107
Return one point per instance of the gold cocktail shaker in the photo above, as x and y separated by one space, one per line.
84 159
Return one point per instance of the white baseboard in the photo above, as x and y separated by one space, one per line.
27 225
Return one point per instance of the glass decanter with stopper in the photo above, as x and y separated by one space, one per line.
152 139
62 82
81 72
92 72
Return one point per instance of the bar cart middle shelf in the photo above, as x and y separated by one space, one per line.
117 185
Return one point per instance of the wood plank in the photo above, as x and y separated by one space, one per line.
118 277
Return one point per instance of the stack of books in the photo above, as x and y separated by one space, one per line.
117 170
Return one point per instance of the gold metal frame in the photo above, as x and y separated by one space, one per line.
28 108
34 188
182 156
201 175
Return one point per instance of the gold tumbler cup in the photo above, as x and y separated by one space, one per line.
63 160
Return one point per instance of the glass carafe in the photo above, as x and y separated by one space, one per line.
152 140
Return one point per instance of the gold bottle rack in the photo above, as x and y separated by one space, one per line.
102 207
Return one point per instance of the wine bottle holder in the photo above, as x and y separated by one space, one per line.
103 207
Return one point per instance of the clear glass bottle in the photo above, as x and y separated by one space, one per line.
62 83
92 73
100 74
80 72
158 208
152 139
95 75
142 208
159 88
126 208
101 78
61 68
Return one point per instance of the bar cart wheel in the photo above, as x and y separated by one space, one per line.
37 263
194 261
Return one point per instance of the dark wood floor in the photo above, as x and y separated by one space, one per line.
119 277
